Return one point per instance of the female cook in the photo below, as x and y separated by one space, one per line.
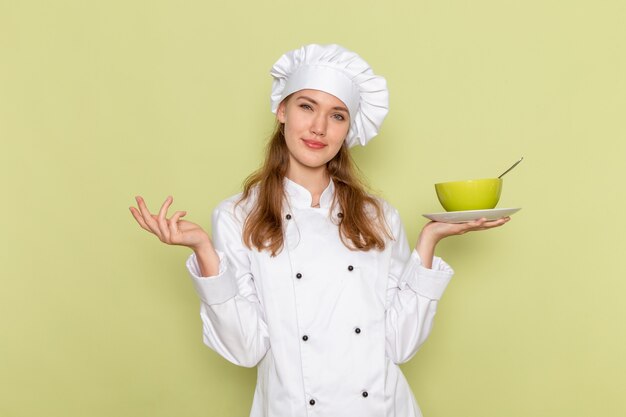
308 277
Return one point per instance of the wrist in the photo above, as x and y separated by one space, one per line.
426 247
205 252
427 239
204 246
208 260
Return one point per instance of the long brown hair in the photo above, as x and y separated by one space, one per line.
361 227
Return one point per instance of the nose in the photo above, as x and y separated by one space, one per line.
318 125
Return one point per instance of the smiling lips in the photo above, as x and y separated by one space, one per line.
313 144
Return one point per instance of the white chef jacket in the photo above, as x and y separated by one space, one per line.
327 326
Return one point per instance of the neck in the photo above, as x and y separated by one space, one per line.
313 179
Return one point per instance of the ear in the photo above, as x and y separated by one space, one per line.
280 112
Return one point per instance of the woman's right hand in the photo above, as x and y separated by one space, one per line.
172 231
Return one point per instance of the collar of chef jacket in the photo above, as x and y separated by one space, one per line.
299 197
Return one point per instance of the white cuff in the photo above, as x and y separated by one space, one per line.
216 289
430 283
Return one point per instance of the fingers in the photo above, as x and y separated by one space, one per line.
173 223
139 219
496 223
476 223
482 224
158 224
147 217
161 219
471 226
490 224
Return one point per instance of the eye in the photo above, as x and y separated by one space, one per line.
339 117
306 107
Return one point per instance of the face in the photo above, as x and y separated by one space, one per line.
316 125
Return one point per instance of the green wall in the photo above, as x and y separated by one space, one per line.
103 100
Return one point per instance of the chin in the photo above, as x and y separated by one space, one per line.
312 163
315 165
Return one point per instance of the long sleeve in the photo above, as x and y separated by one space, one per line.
412 295
233 319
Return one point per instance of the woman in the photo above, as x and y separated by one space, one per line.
309 277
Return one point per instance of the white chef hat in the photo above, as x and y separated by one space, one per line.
340 72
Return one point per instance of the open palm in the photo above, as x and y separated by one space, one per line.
173 230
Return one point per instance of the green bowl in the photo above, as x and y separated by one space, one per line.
469 195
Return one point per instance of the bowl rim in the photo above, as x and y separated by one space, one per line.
469 181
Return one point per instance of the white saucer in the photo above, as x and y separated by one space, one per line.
469 215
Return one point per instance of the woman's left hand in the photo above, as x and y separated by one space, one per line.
433 232
439 230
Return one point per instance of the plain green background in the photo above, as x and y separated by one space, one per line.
104 100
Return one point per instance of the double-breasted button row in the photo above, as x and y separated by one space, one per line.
357 330
364 394
299 275
339 215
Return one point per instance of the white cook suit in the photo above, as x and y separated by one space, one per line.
327 326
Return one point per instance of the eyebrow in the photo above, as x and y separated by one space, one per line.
315 102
